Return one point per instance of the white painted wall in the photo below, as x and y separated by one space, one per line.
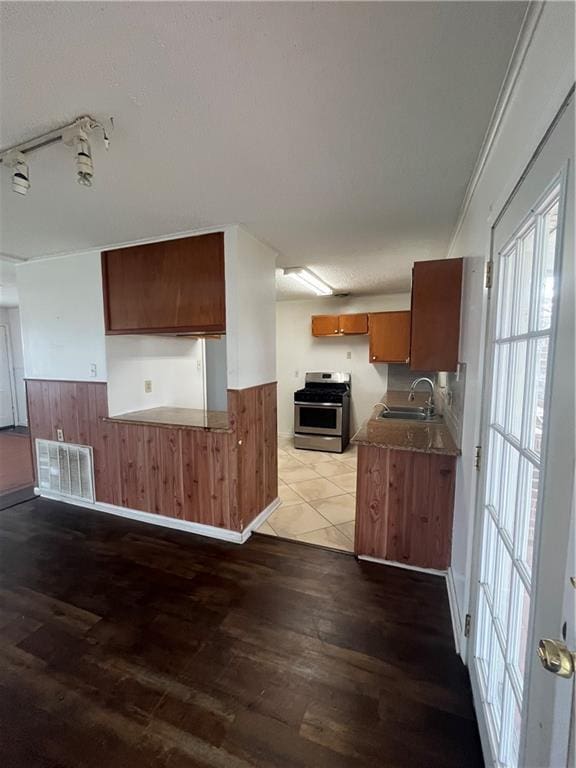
544 80
173 365
250 310
62 316
298 352
11 319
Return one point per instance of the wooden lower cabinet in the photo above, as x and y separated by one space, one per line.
404 506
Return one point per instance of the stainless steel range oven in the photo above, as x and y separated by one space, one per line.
322 412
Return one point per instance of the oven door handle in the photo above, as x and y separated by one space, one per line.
319 405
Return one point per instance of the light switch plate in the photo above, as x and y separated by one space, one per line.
148 386
93 370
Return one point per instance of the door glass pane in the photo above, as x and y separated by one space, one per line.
488 570
509 486
527 506
546 288
517 382
493 485
519 617
496 685
536 406
482 651
524 283
506 293
503 582
500 389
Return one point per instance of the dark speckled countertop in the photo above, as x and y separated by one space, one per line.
182 418
404 435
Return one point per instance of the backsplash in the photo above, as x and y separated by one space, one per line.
400 377
448 392
449 399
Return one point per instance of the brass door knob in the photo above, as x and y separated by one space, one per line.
556 658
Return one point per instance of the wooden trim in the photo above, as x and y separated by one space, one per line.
193 330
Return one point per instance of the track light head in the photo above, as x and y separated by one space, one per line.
77 137
84 164
21 173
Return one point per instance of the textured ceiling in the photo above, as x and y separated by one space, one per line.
342 134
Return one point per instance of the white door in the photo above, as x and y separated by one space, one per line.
6 402
525 495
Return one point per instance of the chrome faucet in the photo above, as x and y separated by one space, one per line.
430 401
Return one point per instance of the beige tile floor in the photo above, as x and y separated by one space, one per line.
317 493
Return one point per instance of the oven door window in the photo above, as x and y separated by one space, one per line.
318 418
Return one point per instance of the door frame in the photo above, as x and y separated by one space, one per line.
559 178
6 330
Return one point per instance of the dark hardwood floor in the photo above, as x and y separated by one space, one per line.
127 645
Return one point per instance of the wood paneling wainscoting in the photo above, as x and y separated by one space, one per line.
405 502
222 479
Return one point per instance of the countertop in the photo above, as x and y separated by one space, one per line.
403 435
184 418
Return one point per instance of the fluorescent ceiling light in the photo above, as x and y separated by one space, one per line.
310 280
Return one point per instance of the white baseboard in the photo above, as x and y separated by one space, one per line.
285 434
405 566
259 519
454 611
213 532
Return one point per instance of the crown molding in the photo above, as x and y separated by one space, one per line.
523 42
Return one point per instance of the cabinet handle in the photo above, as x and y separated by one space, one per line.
407 360
373 357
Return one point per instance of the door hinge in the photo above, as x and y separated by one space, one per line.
488 280
467 622
477 457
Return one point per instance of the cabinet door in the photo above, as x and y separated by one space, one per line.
172 286
325 325
389 337
354 324
420 503
436 293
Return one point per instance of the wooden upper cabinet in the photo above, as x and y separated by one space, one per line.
325 325
339 325
436 297
176 286
389 337
354 324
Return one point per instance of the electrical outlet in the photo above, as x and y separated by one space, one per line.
348 355
93 370
60 435
147 386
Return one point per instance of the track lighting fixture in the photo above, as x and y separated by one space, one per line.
73 135
21 174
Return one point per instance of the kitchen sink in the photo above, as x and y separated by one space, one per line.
407 413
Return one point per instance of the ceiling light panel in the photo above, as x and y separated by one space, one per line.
311 281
